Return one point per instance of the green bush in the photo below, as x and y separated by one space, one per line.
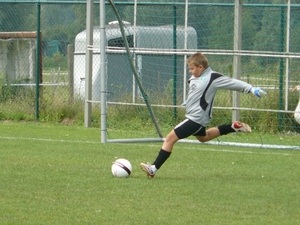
56 61
55 106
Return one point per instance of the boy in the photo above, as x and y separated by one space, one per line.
203 86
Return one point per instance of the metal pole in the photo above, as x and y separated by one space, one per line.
185 47
287 60
280 103
134 46
70 53
237 45
174 62
88 63
103 71
38 60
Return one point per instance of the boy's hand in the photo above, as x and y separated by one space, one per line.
257 91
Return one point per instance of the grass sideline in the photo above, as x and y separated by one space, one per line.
58 174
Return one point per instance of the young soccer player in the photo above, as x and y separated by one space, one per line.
203 85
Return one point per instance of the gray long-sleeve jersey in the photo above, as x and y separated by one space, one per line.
202 91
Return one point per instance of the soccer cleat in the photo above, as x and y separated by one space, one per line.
241 127
149 169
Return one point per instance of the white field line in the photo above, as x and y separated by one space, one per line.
49 140
199 148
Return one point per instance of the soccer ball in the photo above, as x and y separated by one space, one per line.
121 168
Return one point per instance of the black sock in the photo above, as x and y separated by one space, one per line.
161 158
225 129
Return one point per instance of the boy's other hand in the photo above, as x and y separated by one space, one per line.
257 91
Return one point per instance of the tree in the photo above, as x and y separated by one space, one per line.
17 17
221 28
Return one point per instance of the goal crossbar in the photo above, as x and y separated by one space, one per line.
148 51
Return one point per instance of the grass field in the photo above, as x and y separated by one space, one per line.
58 174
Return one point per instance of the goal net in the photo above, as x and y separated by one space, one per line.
161 37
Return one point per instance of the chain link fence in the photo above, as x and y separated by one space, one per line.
61 66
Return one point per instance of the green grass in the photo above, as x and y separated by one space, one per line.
56 174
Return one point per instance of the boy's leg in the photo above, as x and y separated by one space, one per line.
211 133
162 156
182 130
214 132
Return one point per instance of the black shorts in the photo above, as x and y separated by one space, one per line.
187 128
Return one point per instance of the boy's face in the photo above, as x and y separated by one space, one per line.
195 70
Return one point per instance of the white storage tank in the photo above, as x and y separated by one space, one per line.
119 74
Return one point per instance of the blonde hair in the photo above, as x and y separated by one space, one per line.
198 59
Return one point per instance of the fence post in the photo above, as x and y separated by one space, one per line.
70 51
237 46
88 63
38 61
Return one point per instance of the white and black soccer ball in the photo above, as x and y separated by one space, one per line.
121 168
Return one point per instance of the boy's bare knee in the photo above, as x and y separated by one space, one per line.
171 137
202 139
